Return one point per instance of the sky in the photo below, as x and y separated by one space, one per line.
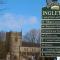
17 15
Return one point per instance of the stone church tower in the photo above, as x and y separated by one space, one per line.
15 41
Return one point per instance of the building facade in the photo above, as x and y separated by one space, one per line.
14 43
50 30
19 50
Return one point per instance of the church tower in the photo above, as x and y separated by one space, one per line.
15 41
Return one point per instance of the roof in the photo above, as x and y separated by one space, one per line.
30 44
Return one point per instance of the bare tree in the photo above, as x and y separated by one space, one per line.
32 36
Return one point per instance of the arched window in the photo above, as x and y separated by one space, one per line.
15 57
16 39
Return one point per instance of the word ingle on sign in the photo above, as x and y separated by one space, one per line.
51 13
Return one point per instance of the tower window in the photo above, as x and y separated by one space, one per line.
15 57
16 39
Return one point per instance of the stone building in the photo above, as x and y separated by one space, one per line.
18 49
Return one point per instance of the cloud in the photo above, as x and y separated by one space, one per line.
14 22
